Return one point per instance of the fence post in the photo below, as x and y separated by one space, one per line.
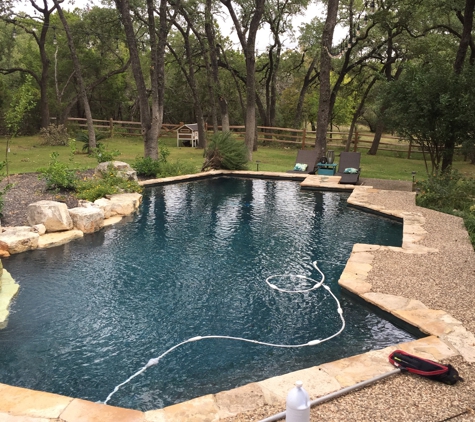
409 150
356 141
304 134
111 128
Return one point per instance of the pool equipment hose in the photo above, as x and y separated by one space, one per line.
335 394
317 284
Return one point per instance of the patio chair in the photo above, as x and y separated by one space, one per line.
349 168
306 162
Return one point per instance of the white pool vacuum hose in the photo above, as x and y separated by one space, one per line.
314 342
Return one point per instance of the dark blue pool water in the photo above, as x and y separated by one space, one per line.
193 262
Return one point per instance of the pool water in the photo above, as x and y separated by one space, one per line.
192 262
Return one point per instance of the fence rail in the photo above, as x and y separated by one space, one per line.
265 135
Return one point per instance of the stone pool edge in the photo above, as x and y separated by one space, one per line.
447 336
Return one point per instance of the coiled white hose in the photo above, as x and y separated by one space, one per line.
314 342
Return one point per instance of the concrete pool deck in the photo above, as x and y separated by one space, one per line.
428 283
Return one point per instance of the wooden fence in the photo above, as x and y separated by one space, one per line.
336 139
265 135
119 127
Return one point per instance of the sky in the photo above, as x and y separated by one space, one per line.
263 37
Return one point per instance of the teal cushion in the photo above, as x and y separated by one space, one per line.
351 170
300 167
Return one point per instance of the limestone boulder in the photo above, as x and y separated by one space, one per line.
124 170
51 240
124 203
88 220
105 205
53 215
39 228
20 241
4 250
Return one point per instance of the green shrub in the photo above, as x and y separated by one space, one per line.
58 175
163 153
225 152
146 166
447 192
103 155
84 138
469 220
109 184
451 193
4 190
177 168
54 135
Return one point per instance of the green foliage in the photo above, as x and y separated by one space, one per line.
4 190
84 138
176 168
54 135
450 193
23 101
163 153
108 184
148 167
433 107
103 155
58 175
225 152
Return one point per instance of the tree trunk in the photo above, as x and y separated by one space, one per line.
466 36
358 112
77 69
213 58
45 62
190 76
249 49
150 129
308 80
377 136
324 106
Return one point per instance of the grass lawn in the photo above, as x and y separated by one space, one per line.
28 155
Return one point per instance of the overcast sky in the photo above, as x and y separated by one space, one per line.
263 37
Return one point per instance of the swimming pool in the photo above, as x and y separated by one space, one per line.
192 262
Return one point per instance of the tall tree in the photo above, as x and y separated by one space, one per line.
151 117
466 37
324 106
246 29
78 74
218 93
29 25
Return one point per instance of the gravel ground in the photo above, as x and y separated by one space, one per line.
26 189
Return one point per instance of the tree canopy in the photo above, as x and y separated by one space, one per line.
164 61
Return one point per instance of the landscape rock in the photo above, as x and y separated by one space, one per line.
124 203
39 228
124 170
54 215
88 220
51 240
20 241
105 205
17 230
